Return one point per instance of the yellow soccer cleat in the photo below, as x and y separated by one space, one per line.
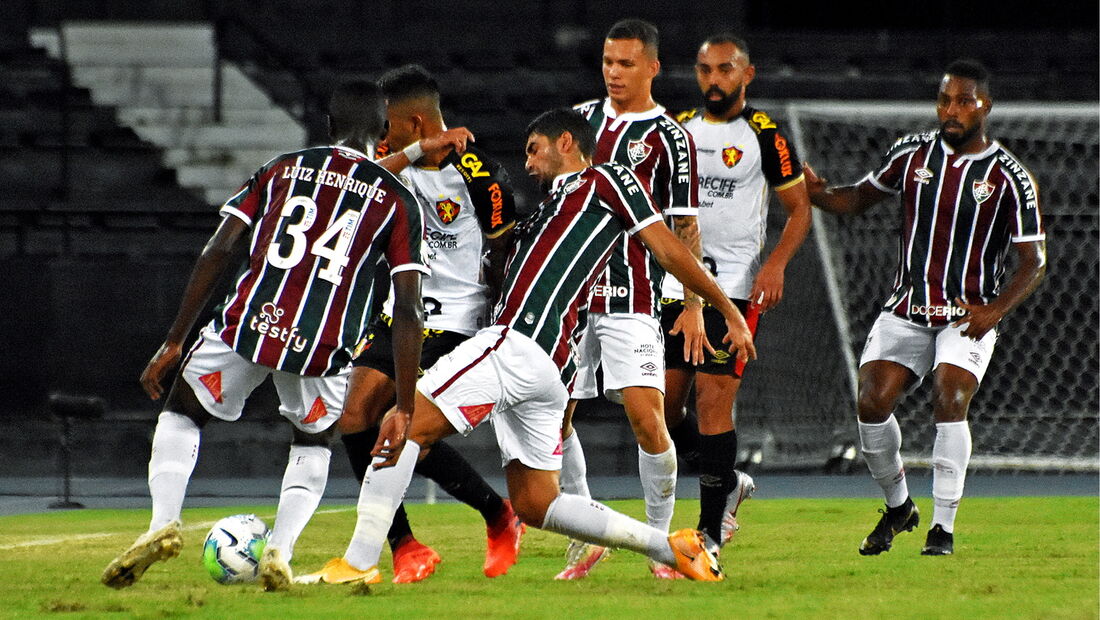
337 570
692 558
163 544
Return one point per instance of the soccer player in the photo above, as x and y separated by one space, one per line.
515 371
624 332
965 200
317 216
470 206
740 152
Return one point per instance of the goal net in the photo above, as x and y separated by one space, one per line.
1037 406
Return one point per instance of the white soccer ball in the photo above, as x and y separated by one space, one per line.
231 553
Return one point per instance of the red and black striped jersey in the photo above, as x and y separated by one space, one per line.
960 214
561 247
662 154
322 218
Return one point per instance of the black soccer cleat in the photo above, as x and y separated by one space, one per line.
893 522
938 542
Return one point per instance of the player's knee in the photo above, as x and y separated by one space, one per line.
951 405
875 403
321 439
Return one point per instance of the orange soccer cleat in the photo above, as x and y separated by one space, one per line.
692 558
504 536
413 561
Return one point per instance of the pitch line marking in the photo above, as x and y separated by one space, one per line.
43 542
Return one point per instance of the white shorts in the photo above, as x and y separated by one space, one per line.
505 377
222 380
921 348
629 347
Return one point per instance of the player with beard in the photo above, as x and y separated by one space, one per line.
740 152
965 201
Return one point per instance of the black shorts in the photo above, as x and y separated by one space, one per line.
377 352
721 362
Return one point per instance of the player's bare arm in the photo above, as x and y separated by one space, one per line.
408 336
496 257
437 145
980 318
844 200
690 321
208 269
767 290
677 260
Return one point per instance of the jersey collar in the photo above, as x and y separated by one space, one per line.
343 147
629 117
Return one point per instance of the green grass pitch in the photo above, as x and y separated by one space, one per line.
1034 557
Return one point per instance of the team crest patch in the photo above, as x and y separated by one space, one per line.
731 155
316 412
447 210
213 383
637 151
474 414
982 190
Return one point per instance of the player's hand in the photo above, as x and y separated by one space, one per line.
456 139
391 438
165 359
690 324
767 290
739 337
815 185
979 319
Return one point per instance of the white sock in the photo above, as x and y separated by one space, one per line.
574 470
175 450
303 485
588 520
382 491
950 458
881 445
658 474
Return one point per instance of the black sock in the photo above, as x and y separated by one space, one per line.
358 446
717 455
685 436
453 474
400 527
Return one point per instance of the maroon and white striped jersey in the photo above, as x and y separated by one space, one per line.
322 218
661 152
561 247
961 213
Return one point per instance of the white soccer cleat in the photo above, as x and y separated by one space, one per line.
275 573
150 547
580 558
741 492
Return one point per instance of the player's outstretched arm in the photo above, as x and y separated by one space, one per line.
408 336
767 289
677 260
438 144
690 321
846 199
208 269
979 318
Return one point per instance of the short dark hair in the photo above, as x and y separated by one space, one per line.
357 110
553 123
728 37
639 29
411 81
971 69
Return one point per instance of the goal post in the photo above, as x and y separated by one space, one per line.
1038 405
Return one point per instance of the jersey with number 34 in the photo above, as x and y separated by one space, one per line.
321 219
